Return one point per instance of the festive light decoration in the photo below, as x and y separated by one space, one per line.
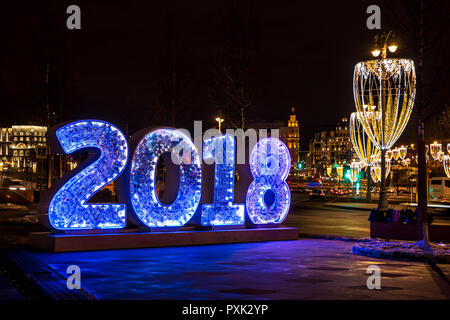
403 152
340 171
440 156
267 200
365 149
406 162
446 163
147 207
396 154
435 148
448 148
269 163
329 169
355 168
427 158
223 212
389 154
68 209
384 91
375 170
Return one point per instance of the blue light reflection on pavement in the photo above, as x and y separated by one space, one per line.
301 269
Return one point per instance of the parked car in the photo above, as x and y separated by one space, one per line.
317 194
14 184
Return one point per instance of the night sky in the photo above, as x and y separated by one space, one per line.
303 55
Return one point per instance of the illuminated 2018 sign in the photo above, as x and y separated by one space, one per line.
267 200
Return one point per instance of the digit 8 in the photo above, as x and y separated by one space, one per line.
268 197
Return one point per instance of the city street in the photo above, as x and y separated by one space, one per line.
315 217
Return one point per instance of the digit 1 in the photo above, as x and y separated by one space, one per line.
222 211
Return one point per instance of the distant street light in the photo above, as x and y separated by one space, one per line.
219 120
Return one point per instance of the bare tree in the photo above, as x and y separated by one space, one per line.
231 73
49 75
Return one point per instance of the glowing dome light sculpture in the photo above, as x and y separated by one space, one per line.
389 154
435 148
403 152
384 92
329 169
375 170
388 87
406 162
396 154
355 168
340 171
446 163
365 149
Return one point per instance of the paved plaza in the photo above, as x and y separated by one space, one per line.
298 269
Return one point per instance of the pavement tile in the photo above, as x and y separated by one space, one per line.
301 269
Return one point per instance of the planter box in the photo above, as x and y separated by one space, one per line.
401 231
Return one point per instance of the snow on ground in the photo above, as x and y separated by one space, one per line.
403 250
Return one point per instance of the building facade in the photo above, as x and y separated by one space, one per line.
18 145
331 145
290 135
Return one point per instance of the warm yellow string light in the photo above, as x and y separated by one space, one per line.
435 149
447 165
375 170
384 91
365 149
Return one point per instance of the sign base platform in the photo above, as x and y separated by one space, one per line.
137 239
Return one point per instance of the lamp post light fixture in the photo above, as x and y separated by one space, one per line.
220 120
385 46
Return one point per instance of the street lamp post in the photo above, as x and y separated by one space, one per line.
384 91
220 120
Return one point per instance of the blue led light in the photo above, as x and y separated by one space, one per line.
269 163
68 209
147 207
223 211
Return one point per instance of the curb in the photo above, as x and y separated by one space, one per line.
346 207
331 237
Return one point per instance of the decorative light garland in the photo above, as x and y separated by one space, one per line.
365 149
435 148
446 162
384 92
